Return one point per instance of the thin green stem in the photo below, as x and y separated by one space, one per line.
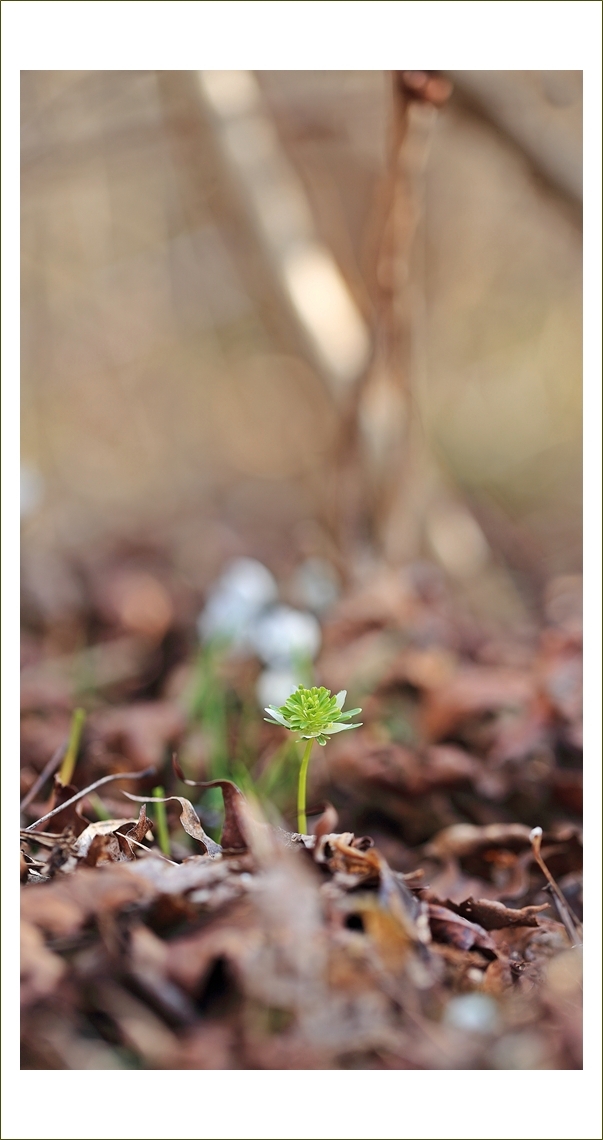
160 813
70 758
99 807
302 824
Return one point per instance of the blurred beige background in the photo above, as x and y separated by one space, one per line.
200 309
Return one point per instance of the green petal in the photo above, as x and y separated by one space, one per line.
340 698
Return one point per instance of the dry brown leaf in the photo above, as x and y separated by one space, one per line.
142 825
494 915
327 821
446 926
236 813
63 906
104 827
41 970
464 839
337 852
474 690
188 818
400 769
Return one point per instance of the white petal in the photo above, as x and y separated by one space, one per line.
339 728
276 715
340 698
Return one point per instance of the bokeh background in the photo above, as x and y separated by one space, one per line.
303 313
301 396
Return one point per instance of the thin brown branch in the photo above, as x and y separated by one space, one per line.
91 788
48 770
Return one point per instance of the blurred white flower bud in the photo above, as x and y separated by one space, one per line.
284 636
316 585
32 490
245 588
473 1013
275 685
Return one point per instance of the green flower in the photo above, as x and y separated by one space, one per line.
314 713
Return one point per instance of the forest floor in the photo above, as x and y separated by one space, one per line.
414 928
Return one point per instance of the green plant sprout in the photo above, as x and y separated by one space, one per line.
163 835
70 758
315 714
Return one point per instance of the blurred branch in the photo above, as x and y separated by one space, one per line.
399 475
310 281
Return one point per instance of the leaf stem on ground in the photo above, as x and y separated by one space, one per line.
572 924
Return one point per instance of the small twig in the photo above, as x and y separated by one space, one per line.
48 770
154 853
91 788
42 838
572 924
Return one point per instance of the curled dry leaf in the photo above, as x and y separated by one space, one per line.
233 832
463 839
510 872
396 896
234 836
446 926
493 915
108 849
341 858
65 808
327 821
141 826
387 928
188 818
352 866
104 827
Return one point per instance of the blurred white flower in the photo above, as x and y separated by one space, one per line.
473 1013
275 685
316 585
32 490
284 636
238 597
